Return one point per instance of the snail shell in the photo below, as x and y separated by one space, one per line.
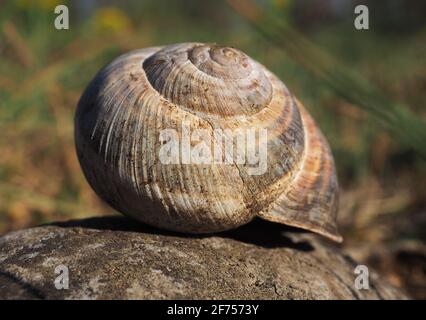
124 111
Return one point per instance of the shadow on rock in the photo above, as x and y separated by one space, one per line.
258 232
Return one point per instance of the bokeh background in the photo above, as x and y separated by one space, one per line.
366 89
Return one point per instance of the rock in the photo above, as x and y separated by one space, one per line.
116 258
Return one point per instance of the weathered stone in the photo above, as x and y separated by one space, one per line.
115 258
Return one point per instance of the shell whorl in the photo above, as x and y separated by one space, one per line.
204 79
123 111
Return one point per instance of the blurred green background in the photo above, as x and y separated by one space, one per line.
366 89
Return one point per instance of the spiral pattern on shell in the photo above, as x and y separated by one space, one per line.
123 111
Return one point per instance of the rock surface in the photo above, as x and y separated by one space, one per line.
115 258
